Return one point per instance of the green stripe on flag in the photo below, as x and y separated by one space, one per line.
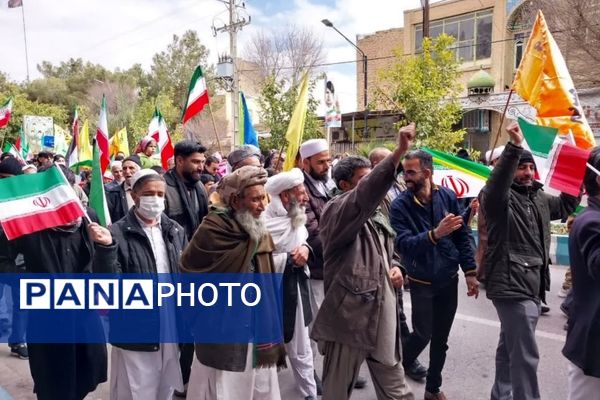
540 139
29 185
97 198
460 164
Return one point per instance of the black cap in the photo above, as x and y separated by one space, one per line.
526 157
134 159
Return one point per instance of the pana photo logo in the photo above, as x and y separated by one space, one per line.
132 294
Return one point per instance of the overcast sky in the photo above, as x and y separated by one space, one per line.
119 33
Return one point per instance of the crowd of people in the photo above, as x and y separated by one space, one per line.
346 239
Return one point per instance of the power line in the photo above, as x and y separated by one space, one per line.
394 56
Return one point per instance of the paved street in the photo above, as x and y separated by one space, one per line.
469 368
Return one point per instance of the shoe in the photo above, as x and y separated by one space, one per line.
19 350
360 383
545 310
183 394
415 371
564 310
435 396
319 384
562 293
310 398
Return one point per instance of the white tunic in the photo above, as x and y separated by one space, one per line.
143 375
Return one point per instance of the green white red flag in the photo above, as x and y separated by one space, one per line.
197 96
158 131
102 136
97 196
72 156
11 149
5 112
34 202
21 145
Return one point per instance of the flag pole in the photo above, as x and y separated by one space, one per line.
25 39
212 117
501 122
85 213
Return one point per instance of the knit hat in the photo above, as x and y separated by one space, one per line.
526 157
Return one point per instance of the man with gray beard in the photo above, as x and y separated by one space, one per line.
233 239
285 218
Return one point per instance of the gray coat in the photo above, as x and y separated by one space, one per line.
354 271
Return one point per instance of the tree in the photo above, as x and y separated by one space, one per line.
425 88
277 105
285 54
121 101
142 114
172 69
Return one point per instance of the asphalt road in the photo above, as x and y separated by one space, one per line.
469 370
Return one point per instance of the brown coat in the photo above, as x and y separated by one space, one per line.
220 245
353 270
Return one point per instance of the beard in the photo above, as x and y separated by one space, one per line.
191 176
323 178
297 214
253 226
414 186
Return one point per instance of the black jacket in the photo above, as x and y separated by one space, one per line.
516 259
116 201
135 255
583 338
178 207
314 208
426 259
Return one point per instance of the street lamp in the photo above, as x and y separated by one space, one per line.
329 24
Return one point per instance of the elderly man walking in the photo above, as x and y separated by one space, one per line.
518 215
358 319
285 218
233 239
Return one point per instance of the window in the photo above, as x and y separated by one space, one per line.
477 121
473 34
519 48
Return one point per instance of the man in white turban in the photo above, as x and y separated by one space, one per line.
285 219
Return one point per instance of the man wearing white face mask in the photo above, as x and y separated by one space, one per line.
148 242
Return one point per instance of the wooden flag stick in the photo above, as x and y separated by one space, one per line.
501 122
212 117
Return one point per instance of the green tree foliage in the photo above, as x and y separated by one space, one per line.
425 88
277 101
138 126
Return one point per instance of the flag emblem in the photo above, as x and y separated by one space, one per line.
41 201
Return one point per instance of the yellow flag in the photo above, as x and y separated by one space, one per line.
119 142
544 81
296 126
84 146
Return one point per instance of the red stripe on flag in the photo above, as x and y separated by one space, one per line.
24 225
166 154
5 119
568 169
195 107
103 146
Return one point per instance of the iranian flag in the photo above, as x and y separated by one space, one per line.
11 149
21 145
97 196
102 136
197 95
158 130
31 203
5 112
72 156
465 178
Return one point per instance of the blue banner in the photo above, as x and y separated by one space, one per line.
146 308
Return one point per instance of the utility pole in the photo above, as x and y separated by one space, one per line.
235 24
425 5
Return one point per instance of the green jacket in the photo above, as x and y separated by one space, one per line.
518 219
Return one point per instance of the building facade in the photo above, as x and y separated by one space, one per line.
491 36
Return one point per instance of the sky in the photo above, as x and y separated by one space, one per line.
119 33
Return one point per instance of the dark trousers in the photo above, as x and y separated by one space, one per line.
433 310
186 357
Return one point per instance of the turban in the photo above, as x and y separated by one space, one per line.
140 174
243 152
312 147
28 167
240 179
492 155
11 166
284 181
